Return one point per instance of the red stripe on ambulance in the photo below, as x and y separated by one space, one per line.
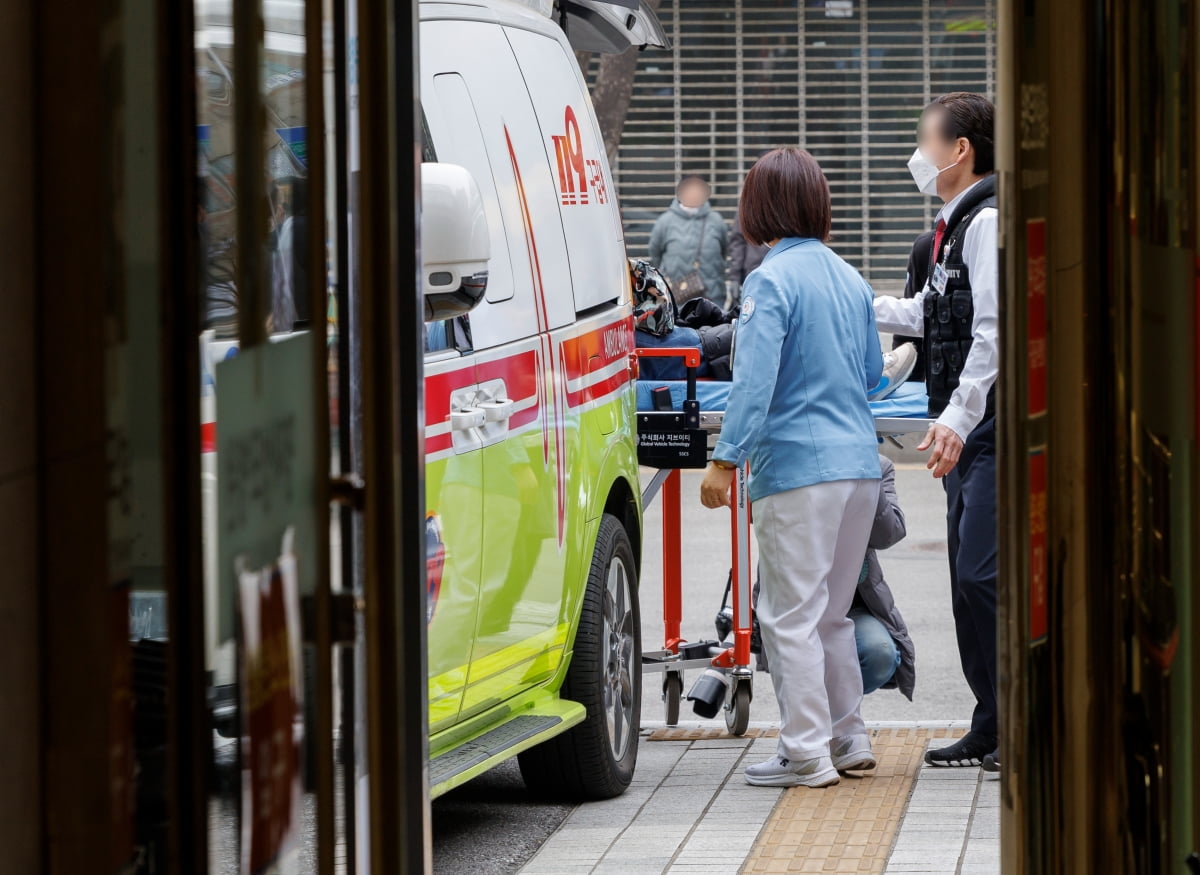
438 388
519 373
596 391
610 343
438 443
539 293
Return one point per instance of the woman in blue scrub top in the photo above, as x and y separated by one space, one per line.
807 354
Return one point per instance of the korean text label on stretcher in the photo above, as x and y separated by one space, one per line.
671 439
666 441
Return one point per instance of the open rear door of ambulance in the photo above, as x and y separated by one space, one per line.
611 26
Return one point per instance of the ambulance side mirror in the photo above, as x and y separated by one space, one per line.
455 245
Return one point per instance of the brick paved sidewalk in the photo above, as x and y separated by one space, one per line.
690 811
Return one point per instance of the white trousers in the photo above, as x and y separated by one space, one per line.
812 542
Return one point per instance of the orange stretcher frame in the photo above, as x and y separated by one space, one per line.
676 656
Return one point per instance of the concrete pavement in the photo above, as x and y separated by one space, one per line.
690 811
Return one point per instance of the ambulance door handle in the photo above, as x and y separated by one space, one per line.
498 411
467 419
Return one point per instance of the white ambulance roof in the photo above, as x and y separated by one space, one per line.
591 25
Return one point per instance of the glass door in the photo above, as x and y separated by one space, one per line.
310 396
270 434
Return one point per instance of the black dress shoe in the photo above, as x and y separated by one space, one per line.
991 762
967 751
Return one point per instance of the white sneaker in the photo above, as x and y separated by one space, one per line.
897 368
852 753
781 772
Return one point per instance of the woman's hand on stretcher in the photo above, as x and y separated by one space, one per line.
714 490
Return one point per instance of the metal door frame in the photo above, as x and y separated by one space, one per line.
393 437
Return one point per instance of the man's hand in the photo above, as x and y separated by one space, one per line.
947 447
714 490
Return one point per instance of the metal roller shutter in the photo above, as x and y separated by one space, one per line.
842 78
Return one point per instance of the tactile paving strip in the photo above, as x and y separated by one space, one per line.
849 827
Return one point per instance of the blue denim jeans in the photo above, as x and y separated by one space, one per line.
878 655
669 368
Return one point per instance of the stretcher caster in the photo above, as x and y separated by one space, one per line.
737 706
672 696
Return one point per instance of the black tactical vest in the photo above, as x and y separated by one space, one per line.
949 317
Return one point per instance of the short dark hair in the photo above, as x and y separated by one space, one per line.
785 195
972 116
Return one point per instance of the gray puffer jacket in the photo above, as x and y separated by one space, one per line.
675 240
874 592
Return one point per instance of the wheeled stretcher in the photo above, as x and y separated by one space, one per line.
678 425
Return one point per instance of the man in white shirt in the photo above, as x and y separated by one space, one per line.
956 315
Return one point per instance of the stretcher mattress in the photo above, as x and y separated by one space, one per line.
909 401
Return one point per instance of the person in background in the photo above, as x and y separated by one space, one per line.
799 414
743 258
290 303
690 243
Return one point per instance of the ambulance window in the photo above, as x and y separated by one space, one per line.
461 142
435 337
448 336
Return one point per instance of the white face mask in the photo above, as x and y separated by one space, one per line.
925 172
691 211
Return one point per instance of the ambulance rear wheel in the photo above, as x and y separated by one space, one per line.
595 759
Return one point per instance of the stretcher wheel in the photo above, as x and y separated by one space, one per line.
672 695
737 709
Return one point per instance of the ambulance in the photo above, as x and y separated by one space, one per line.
533 524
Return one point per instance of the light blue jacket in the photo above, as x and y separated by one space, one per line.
806 354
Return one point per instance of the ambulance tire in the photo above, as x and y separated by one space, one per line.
605 676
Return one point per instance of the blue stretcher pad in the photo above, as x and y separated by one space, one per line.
712 394
909 401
